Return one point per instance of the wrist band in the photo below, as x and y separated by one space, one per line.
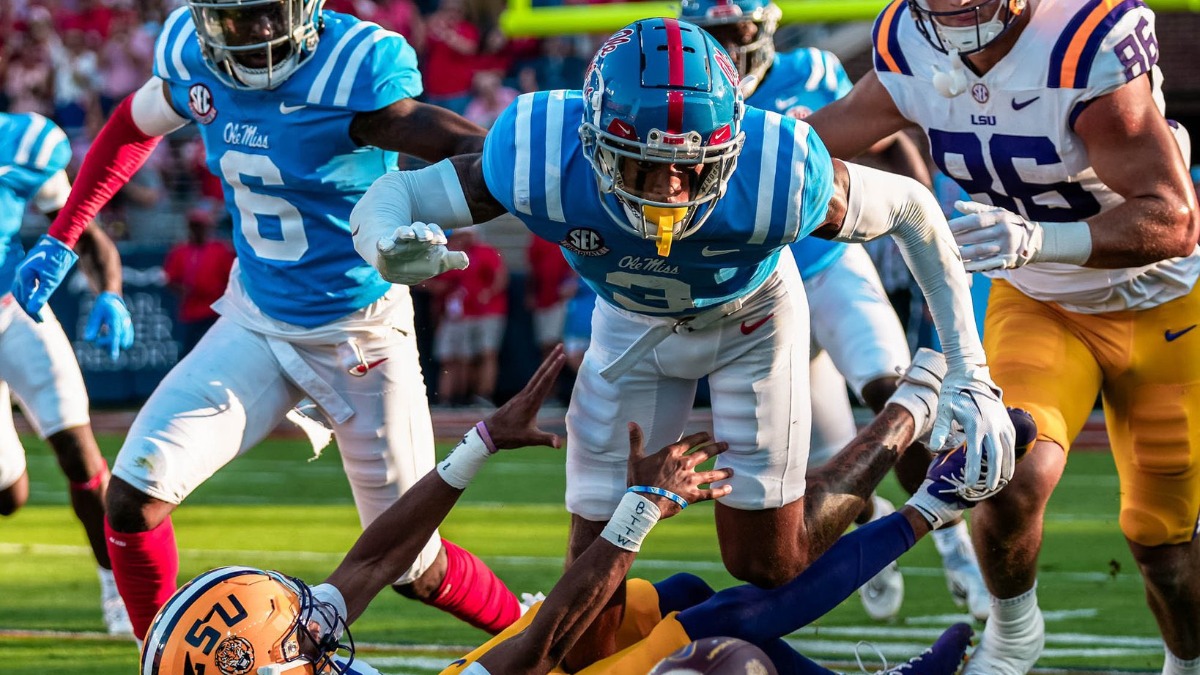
487 437
631 522
461 465
650 489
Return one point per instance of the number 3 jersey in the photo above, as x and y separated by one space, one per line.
1009 139
290 171
534 166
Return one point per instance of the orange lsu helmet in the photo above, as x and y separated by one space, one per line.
244 621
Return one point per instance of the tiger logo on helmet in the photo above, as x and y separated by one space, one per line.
661 92
245 621
754 57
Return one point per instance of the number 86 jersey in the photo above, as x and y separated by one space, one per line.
289 169
1009 140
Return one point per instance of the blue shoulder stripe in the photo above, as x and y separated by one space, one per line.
1073 54
49 140
354 63
538 137
320 92
885 37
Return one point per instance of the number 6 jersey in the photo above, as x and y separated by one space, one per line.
290 171
1009 139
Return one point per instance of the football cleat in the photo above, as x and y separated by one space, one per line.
883 594
116 619
1008 648
943 657
966 585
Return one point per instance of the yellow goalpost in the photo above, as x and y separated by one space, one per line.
521 18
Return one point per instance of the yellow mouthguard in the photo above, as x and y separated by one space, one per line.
665 219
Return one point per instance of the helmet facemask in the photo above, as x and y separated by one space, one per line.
991 19
623 165
256 44
753 57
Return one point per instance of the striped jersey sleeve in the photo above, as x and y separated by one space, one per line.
1104 45
39 150
885 39
170 61
525 152
368 68
789 176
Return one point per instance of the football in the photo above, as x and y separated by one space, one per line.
1026 428
716 656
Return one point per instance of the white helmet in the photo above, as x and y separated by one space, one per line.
256 44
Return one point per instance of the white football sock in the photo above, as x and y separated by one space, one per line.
1014 613
1173 665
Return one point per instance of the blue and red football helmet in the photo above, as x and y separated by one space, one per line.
661 92
753 58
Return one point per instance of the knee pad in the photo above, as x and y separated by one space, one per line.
1143 526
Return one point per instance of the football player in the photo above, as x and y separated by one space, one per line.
266 622
299 109
856 335
36 358
1049 114
634 176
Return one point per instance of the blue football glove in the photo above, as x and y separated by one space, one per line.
40 273
109 324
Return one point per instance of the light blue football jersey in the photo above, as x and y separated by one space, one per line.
797 84
534 165
32 150
290 171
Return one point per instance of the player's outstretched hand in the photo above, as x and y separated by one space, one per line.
514 424
40 273
969 398
415 253
109 326
673 470
991 238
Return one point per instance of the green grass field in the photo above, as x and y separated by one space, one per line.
274 509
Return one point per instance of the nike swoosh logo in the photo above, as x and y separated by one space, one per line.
362 368
710 252
1018 105
285 109
750 327
1171 337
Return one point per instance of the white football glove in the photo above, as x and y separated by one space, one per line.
415 253
992 238
969 398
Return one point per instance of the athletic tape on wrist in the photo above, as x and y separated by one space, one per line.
464 461
650 489
631 522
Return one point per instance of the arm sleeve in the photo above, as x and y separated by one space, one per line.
903 208
53 194
430 195
118 152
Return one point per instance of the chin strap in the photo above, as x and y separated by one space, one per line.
951 83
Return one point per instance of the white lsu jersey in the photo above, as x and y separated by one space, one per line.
1009 139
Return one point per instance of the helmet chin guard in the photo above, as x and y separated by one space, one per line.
966 39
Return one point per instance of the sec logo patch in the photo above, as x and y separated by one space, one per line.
200 103
585 242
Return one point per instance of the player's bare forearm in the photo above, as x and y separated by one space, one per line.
419 129
483 205
99 260
850 125
1133 151
392 542
569 609
837 491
